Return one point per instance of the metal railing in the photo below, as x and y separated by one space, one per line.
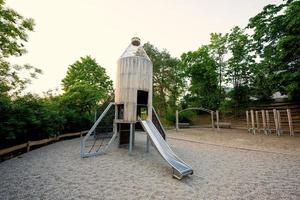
91 131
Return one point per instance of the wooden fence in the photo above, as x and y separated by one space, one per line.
39 142
267 121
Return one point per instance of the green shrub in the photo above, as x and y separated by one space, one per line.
186 116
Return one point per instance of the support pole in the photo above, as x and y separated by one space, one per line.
115 126
279 123
147 144
290 122
275 120
177 127
131 138
212 120
268 122
247 119
257 121
252 121
264 121
217 116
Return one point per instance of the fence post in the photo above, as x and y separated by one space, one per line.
28 146
252 121
247 119
212 120
279 123
177 127
275 120
257 121
264 121
268 122
217 116
290 122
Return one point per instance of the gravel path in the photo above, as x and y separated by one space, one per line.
57 172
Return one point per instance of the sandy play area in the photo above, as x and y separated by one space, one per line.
227 165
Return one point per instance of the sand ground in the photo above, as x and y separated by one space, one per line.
227 165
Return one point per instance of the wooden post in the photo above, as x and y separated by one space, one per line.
257 121
212 120
177 126
279 123
275 120
28 146
268 122
264 121
247 119
217 116
290 122
252 121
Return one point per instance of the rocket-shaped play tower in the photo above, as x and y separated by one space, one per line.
133 93
131 111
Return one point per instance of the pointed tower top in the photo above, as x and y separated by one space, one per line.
136 41
135 49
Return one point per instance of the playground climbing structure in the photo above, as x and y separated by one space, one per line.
132 110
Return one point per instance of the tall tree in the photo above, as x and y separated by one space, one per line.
14 30
201 69
239 66
86 84
218 50
277 44
168 79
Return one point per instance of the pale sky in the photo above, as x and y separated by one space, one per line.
68 29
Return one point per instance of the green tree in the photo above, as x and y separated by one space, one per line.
277 44
168 79
201 68
218 50
86 84
239 66
14 30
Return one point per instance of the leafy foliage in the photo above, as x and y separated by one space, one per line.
239 66
168 79
13 33
218 50
86 84
201 69
277 44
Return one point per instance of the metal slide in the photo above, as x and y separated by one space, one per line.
180 168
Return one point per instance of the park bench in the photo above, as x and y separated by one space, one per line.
224 124
184 125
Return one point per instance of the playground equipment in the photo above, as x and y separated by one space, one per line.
132 110
263 122
211 112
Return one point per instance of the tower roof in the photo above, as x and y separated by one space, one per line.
135 49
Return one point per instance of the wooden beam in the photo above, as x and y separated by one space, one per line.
257 121
247 119
212 120
275 120
289 115
217 116
279 123
38 142
252 121
268 122
264 121
12 149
